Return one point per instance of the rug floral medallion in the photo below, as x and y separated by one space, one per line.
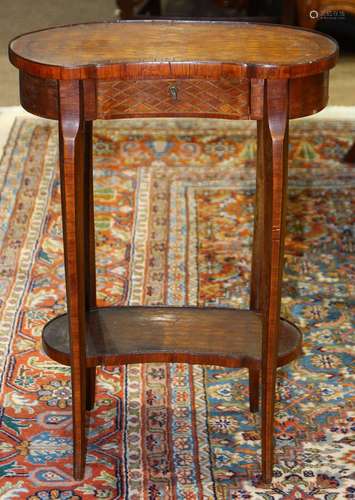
174 221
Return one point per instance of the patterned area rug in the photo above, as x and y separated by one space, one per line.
174 209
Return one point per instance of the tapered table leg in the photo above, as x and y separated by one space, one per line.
257 258
254 387
89 240
71 152
350 155
273 133
90 387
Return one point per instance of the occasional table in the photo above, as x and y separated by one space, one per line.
240 71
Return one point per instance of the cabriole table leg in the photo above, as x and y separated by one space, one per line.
71 152
273 133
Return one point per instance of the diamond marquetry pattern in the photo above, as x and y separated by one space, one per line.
223 98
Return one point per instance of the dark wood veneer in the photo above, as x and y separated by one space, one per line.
223 98
191 49
218 336
128 99
78 73
39 96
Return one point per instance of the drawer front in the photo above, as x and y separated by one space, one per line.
225 98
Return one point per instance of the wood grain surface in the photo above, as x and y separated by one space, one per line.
171 68
72 179
224 98
218 336
172 48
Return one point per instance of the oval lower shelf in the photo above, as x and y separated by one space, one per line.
137 334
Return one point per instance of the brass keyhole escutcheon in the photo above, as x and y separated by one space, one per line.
173 91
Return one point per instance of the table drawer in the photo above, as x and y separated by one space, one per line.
225 98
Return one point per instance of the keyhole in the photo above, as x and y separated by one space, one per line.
173 91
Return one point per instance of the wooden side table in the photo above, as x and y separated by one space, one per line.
268 73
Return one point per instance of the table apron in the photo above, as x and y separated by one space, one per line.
239 99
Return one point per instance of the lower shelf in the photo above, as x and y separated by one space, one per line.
214 336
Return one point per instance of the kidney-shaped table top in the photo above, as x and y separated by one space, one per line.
121 49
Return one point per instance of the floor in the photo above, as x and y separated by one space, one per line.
20 16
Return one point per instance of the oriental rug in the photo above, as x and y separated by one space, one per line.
174 210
